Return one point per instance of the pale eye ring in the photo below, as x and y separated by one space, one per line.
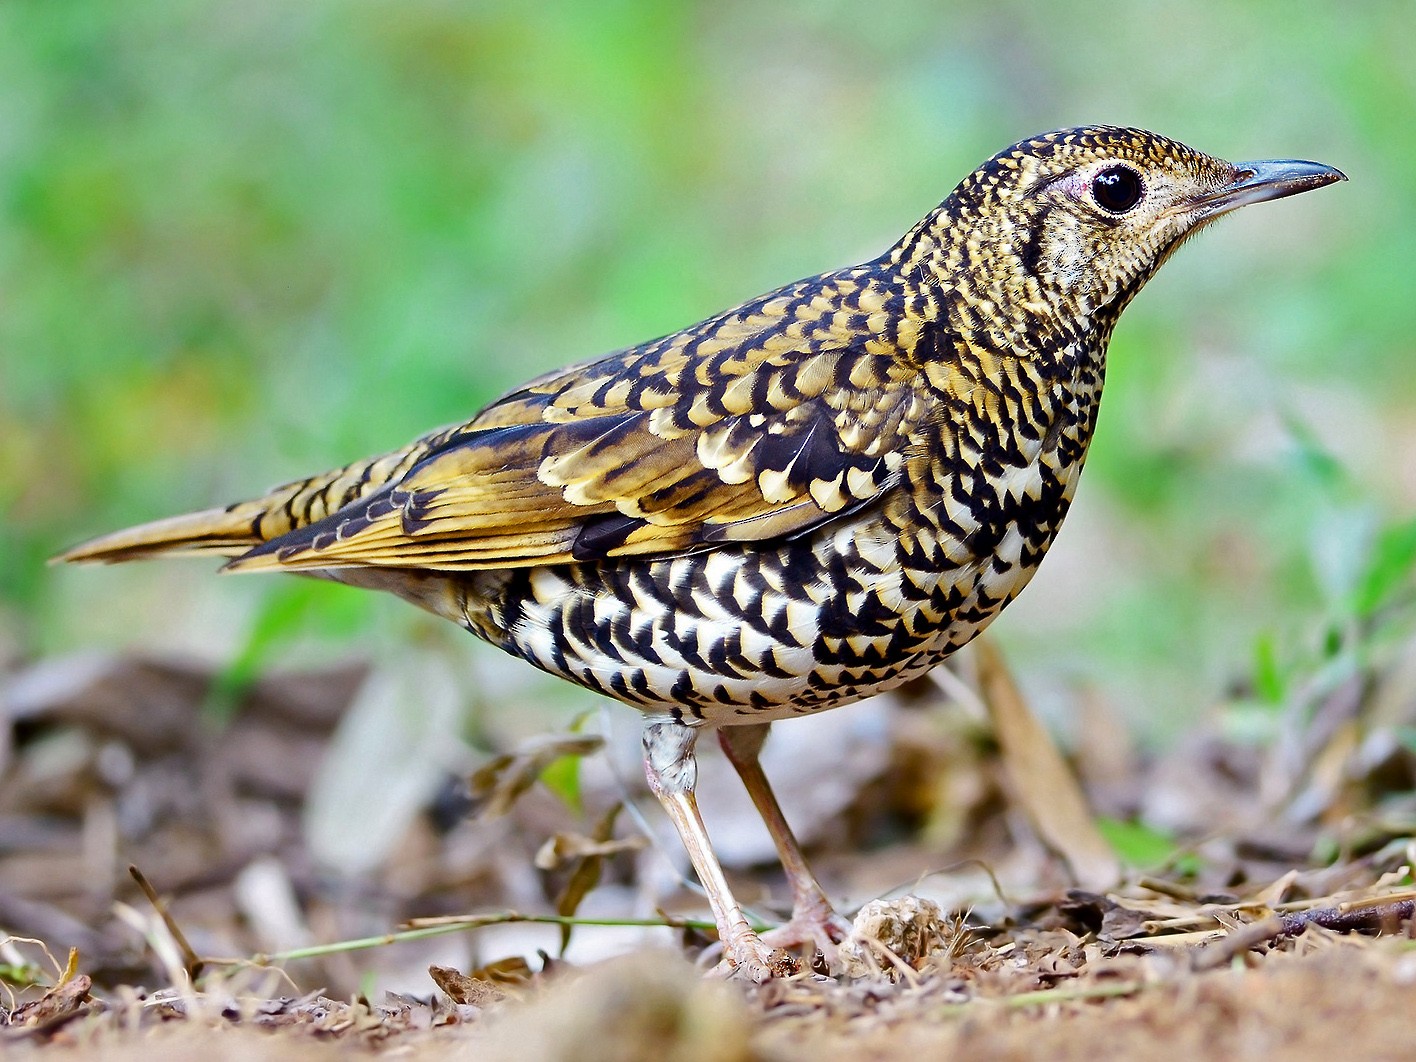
1117 189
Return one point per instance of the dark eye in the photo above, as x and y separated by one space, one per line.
1117 189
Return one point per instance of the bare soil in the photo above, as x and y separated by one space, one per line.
1275 927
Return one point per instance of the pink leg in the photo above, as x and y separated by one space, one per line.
813 921
673 772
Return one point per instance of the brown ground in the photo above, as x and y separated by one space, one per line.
1327 997
1280 928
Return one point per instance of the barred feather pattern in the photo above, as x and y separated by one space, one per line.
854 606
799 502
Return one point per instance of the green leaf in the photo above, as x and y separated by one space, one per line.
1315 460
562 777
1340 544
1186 865
23 975
281 615
1326 850
291 608
1270 684
1388 570
1136 844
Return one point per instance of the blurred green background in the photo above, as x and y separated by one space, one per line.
242 242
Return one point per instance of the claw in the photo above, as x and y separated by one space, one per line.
821 928
749 957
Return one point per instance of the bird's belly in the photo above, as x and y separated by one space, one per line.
742 635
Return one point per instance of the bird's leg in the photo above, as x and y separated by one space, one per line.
813 921
673 772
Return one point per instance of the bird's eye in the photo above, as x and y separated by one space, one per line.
1117 189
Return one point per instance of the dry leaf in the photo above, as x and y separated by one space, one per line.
564 847
587 874
65 1000
458 987
497 784
1042 782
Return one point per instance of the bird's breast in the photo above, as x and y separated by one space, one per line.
757 631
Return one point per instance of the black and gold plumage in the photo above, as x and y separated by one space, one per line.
802 501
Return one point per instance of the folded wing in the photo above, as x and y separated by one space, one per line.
759 424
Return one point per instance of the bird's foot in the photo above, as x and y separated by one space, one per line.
814 924
748 957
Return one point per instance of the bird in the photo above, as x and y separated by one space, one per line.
802 501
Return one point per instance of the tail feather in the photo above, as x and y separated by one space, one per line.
236 529
211 532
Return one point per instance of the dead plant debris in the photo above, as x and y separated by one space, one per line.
1294 902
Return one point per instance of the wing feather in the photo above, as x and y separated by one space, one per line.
748 427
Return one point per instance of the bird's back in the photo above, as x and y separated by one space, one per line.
791 505
787 506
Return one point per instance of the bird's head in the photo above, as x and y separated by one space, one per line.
1072 223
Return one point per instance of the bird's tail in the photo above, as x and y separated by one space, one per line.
214 532
236 529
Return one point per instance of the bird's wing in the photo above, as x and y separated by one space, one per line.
758 424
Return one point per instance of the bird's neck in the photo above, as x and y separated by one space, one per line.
973 290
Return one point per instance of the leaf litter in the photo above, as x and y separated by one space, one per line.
1275 912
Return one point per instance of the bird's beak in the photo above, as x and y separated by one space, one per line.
1255 182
